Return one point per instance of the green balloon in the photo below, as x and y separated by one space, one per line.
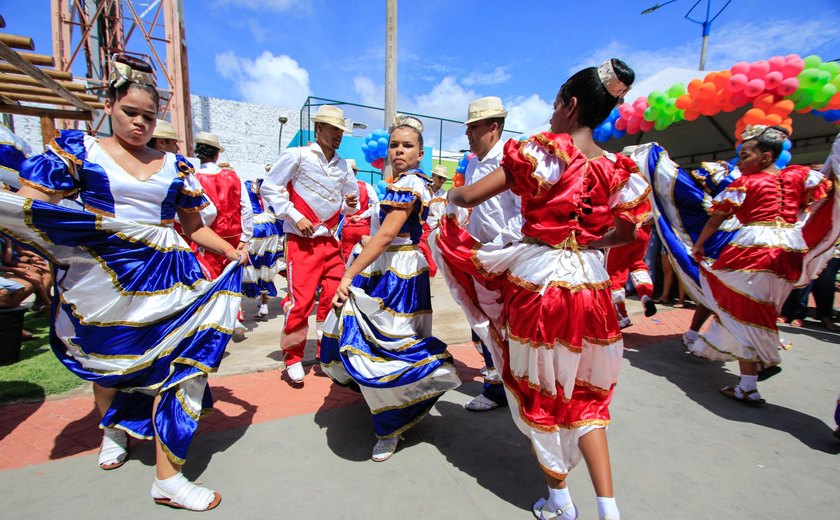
651 114
676 90
812 61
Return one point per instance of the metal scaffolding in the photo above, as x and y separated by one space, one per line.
86 33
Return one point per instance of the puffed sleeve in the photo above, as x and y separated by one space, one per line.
538 162
190 196
407 192
817 186
729 200
56 171
629 192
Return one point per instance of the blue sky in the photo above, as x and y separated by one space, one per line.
277 52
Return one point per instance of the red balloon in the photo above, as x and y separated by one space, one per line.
458 180
620 124
646 126
378 163
777 63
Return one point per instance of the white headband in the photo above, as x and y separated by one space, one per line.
614 86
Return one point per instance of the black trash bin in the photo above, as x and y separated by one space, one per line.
11 328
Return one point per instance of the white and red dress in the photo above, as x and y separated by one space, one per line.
556 342
352 232
748 283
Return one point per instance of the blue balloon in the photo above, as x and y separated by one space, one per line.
784 159
786 145
373 147
618 134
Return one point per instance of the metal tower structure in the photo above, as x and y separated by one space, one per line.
86 33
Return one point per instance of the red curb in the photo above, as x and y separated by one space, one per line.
35 433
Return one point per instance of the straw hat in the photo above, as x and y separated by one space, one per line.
485 108
209 139
352 164
331 115
164 130
441 171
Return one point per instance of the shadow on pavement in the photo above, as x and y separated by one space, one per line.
14 415
700 380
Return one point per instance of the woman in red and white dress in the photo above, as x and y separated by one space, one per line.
557 343
748 283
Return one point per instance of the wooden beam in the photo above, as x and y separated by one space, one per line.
14 59
18 42
31 89
19 79
39 98
4 99
36 59
44 111
56 74
48 132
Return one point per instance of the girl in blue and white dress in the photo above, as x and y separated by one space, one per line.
379 339
265 251
134 314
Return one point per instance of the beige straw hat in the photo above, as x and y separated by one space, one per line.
209 139
441 171
331 115
485 108
352 164
164 130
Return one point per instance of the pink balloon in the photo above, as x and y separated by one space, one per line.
773 79
646 126
620 123
640 104
738 99
758 70
737 82
776 63
626 110
754 87
793 66
788 86
742 67
633 125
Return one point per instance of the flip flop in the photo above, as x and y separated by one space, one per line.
730 392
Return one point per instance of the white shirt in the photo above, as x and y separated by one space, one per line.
437 207
322 184
373 201
246 212
499 218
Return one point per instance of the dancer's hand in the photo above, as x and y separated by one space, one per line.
698 253
243 246
355 218
305 227
342 293
237 255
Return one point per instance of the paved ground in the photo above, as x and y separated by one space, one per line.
680 450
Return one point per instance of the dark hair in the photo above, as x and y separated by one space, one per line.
205 152
152 142
138 65
769 141
593 100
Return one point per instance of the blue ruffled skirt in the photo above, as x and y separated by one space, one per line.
133 312
266 251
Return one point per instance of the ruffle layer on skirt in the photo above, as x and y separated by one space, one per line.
134 312
266 252
381 342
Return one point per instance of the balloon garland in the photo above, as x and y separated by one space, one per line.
375 148
774 87
458 179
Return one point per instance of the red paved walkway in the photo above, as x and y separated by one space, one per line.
35 433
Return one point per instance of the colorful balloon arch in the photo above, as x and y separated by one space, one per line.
774 87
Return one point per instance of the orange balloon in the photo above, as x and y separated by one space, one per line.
694 87
834 103
684 102
707 91
691 114
764 102
389 180
773 119
783 107
458 180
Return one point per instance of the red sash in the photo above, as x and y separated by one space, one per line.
301 205
224 189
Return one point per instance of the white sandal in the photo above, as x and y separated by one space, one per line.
189 496
384 448
113 451
480 403
541 511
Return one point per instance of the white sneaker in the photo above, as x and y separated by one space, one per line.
384 448
263 312
295 372
624 322
481 404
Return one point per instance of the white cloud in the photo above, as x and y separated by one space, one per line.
728 45
267 80
529 113
369 92
498 75
446 99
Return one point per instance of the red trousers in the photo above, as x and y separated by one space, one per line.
424 248
629 260
310 263
211 262
351 233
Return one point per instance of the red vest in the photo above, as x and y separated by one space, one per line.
224 189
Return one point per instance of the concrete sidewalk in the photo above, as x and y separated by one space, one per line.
679 448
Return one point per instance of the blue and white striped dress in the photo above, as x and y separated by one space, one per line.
134 311
381 341
264 248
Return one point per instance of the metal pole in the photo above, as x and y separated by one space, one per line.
703 49
390 70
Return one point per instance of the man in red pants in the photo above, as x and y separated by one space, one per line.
357 225
629 259
320 186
